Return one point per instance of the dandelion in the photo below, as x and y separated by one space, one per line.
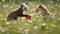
26 30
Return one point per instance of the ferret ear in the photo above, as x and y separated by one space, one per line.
21 5
40 6
26 3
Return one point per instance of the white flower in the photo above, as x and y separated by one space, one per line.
37 16
43 24
51 7
14 22
11 6
29 21
26 24
58 18
51 1
47 27
23 18
35 27
48 5
2 19
55 12
56 4
7 23
59 6
5 19
3 30
7 13
13 3
39 20
20 28
5 5
26 31
3 0
16 5
57 0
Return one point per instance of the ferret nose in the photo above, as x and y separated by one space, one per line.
25 8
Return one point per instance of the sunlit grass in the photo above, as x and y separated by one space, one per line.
35 25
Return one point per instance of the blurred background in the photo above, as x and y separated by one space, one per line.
35 24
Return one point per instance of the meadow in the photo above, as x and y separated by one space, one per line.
33 26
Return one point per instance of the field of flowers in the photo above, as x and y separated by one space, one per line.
33 26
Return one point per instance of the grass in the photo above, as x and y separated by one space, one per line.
35 25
